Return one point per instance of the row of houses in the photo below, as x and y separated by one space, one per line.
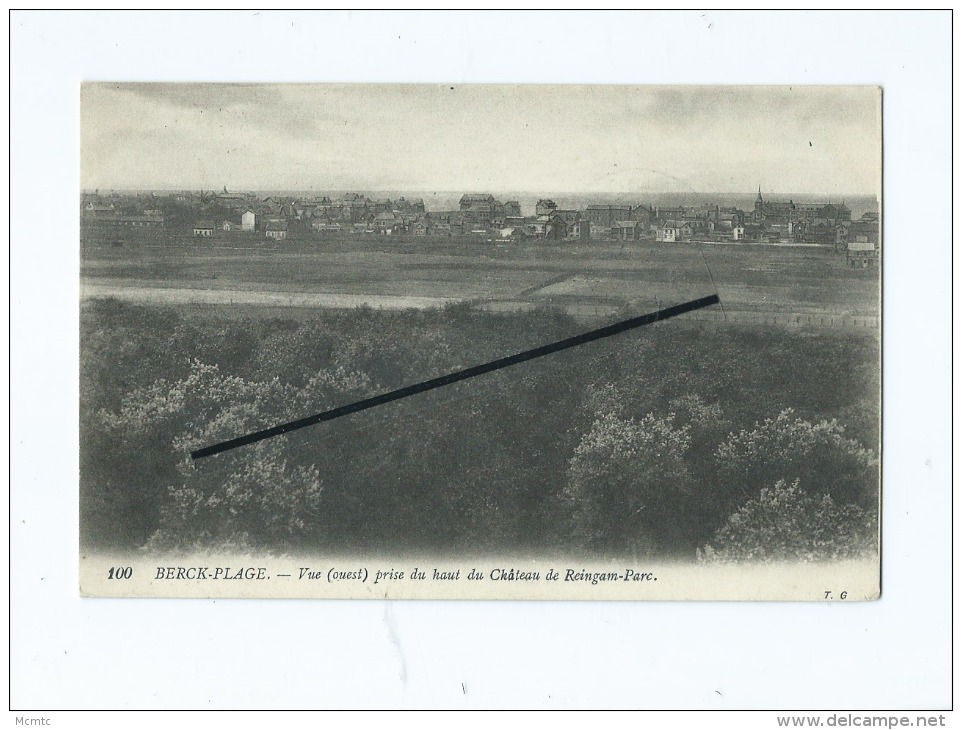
477 213
109 214
565 225
350 208
481 214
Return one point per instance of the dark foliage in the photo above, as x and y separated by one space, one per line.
645 443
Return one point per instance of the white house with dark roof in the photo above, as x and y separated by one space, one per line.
674 230
276 230
203 229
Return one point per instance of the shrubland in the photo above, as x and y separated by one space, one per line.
678 440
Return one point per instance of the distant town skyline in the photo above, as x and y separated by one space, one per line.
614 140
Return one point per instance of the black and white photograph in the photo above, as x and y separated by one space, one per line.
480 340
472 360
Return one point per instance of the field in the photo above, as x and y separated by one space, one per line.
597 278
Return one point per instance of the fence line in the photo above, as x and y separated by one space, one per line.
789 319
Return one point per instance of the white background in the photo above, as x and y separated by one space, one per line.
68 653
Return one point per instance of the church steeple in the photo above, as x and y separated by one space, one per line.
759 198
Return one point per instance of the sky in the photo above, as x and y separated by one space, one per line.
429 138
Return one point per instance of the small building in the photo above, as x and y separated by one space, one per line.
738 233
458 225
626 230
555 227
822 233
386 224
781 232
801 229
228 226
322 225
864 231
276 230
580 230
94 210
841 235
672 231
862 254
667 232
545 206
248 220
203 229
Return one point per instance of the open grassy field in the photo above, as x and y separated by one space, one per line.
584 278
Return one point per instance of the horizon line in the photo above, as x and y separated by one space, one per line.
491 190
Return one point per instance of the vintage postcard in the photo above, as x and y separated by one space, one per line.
480 342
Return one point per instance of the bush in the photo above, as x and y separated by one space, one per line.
132 454
787 447
261 502
784 523
628 486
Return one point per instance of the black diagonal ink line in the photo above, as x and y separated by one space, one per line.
458 376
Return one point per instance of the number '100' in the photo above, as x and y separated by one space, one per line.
120 573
